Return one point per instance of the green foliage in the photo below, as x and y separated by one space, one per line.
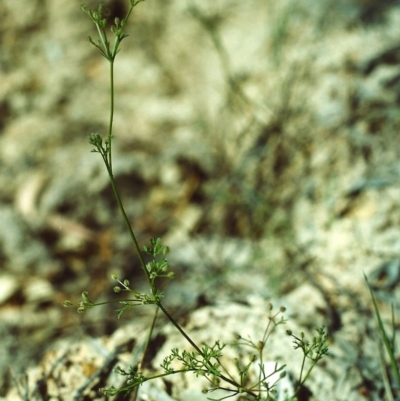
250 378
99 18
313 351
158 267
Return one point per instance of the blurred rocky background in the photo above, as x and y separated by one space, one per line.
259 139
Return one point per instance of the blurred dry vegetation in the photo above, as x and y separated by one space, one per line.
258 138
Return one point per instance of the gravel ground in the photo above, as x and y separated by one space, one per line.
257 138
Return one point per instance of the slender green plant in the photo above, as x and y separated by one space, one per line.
313 351
203 360
389 344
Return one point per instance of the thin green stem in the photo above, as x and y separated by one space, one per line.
307 374
103 38
261 373
195 346
129 227
110 125
179 328
108 162
301 372
146 348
